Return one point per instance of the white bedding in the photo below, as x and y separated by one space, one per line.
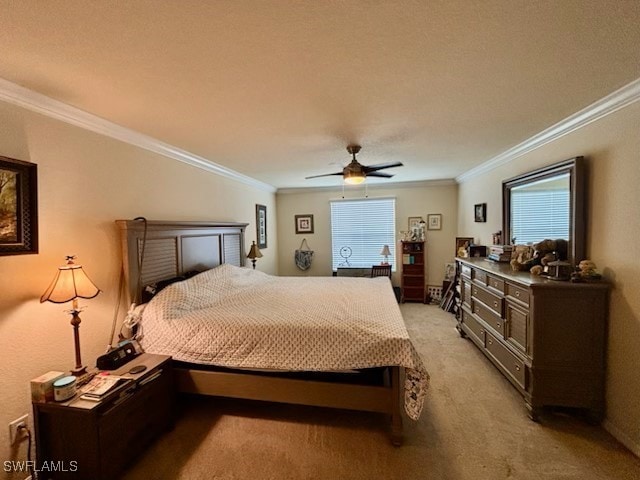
241 318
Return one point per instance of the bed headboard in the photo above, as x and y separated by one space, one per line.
173 248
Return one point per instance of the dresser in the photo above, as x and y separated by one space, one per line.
547 337
412 278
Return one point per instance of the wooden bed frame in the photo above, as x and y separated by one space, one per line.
173 248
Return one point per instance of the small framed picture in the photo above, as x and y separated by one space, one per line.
434 221
304 223
413 221
261 226
462 246
480 212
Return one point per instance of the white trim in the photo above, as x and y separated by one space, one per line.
613 102
374 186
36 102
622 437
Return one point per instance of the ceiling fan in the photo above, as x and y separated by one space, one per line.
355 172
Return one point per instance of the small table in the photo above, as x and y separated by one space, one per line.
97 440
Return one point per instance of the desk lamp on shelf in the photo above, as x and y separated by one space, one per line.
69 284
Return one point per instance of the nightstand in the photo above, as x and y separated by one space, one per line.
97 440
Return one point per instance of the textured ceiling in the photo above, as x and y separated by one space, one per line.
276 89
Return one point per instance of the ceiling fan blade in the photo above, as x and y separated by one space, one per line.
380 174
325 175
381 166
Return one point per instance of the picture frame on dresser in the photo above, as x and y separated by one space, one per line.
18 207
462 245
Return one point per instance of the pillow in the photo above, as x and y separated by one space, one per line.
151 290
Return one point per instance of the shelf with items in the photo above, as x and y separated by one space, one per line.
413 271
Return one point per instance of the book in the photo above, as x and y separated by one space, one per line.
99 386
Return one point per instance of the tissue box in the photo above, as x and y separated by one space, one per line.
42 387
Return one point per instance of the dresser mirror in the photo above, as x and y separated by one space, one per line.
547 203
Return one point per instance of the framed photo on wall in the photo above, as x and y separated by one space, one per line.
434 221
304 223
18 207
480 212
413 221
261 226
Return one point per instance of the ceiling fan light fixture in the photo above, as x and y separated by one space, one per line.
354 178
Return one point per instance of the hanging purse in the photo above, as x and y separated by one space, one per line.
303 256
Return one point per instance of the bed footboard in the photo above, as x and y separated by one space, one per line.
368 398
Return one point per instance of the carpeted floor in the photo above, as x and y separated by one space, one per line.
474 426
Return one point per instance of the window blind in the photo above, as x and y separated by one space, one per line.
539 214
361 228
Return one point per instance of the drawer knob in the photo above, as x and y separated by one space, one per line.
495 304
490 342
517 293
498 324
517 367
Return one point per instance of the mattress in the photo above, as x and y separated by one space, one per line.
241 318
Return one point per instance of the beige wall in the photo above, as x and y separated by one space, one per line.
411 201
86 181
612 149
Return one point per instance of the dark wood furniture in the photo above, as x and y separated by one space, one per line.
176 247
412 279
381 271
547 337
102 438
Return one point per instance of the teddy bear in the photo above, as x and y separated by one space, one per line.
544 252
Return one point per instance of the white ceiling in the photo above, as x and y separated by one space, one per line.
277 89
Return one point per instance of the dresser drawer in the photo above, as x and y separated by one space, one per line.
519 293
516 326
495 322
473 325
466 291
479 276
495 283
465 270
491 300
513 366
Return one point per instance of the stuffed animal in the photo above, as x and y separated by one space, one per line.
544 252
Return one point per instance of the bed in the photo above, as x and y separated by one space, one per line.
235 332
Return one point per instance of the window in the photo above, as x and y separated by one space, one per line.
359 230
541 210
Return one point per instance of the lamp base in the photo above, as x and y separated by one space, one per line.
78 371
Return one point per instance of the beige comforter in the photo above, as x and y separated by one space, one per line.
242 318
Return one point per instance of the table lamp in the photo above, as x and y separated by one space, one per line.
386 252
254 253
69 284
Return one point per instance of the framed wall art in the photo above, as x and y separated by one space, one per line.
18 207
413 222
480 212
434 221
261 226
304 223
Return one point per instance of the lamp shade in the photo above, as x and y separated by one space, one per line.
385 251
254 252
70 282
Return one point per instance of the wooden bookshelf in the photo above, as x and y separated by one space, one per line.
412 279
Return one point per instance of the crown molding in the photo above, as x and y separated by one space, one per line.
613 102
377 186
39 103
